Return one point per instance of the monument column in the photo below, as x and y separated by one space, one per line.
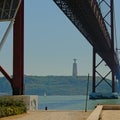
74 74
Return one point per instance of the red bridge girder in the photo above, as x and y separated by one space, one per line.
18 52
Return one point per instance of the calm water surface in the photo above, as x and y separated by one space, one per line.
76 102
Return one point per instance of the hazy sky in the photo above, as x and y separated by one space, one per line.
51 42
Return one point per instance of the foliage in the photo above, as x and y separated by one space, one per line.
10 107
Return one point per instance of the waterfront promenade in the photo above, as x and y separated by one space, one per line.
51 115
98 113
110 115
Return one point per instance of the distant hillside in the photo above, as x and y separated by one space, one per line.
54 85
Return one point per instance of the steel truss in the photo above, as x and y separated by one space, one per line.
110 13
95 83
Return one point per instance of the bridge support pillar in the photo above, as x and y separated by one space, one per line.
18 52
113 82
112 44
94 71
95 83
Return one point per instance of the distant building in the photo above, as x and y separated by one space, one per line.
74 72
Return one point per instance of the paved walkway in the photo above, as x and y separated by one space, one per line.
110 115
51 115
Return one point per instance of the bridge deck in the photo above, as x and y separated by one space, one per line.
87 17
8 9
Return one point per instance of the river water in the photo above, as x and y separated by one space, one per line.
76 102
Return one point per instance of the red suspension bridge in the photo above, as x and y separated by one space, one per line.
87 16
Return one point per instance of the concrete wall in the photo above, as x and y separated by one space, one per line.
95 115
31 101
111 107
